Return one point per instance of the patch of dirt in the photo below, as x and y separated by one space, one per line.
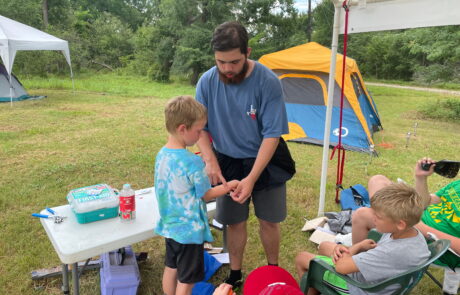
443 91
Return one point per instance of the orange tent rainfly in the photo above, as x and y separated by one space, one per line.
304 73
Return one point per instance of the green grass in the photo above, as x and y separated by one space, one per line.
110 130
110 83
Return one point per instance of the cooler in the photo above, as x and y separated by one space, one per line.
93 203
116 278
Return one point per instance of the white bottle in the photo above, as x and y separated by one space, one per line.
127 209
451 281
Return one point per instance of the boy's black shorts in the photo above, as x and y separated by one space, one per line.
188 259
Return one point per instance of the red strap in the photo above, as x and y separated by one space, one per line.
339 147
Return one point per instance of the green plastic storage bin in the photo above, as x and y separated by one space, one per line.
94 202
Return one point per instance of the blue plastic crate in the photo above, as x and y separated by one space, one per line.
119 279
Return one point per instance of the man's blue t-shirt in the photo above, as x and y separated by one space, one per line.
241 115
180 184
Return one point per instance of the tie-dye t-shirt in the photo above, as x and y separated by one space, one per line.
180 183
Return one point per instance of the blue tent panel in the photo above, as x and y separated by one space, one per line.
311 119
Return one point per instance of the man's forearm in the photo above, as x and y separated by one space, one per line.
421 186
265 154
204 144
454 241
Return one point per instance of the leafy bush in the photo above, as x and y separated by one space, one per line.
444 110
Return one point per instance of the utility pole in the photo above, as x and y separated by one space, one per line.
309 22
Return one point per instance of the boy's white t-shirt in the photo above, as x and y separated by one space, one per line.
180 183
389 258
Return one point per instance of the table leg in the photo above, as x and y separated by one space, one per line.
65 279
75 279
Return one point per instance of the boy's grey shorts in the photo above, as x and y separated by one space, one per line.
269 205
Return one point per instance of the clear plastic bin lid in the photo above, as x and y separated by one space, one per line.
93 197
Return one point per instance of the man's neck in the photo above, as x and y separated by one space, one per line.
251 65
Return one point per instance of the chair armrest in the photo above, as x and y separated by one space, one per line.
318 267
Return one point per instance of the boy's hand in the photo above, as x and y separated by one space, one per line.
338 252
367 244
232 185
419 172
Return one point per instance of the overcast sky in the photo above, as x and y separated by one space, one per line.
302 5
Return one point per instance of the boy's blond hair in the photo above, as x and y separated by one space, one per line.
399 201
185 110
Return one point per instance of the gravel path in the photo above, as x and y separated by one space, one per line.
445 91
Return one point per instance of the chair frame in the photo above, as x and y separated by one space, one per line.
407 280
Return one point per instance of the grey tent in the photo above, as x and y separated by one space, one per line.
18 91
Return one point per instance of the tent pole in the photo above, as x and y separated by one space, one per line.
73 83
330 103
11 92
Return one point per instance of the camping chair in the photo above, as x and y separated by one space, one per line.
443 261
450 261
407 280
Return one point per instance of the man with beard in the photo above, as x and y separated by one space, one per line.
246 118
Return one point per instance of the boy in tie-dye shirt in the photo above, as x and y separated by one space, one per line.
182 187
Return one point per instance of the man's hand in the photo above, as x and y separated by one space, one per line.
243 191
223 289
214 173
419 172
338 252
232 185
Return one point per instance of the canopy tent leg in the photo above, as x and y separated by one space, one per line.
330 103
71 77
11 92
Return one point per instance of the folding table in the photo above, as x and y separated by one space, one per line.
74 242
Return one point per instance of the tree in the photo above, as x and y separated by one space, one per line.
323 21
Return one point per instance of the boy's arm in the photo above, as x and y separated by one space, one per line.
346 264
219 190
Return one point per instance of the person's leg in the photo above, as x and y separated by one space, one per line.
236 242
170 273
377 182
169 280
234 216
362 221
184 289
270 236
270 209
302 262
326 248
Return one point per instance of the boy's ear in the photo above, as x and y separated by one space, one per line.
181 128
401 225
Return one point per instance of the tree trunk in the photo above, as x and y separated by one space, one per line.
45 13
194 77
309 29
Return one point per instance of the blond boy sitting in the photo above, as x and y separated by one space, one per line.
397 208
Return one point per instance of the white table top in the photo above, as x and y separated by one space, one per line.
76 242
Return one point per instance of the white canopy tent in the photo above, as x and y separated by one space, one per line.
379 15
15 36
